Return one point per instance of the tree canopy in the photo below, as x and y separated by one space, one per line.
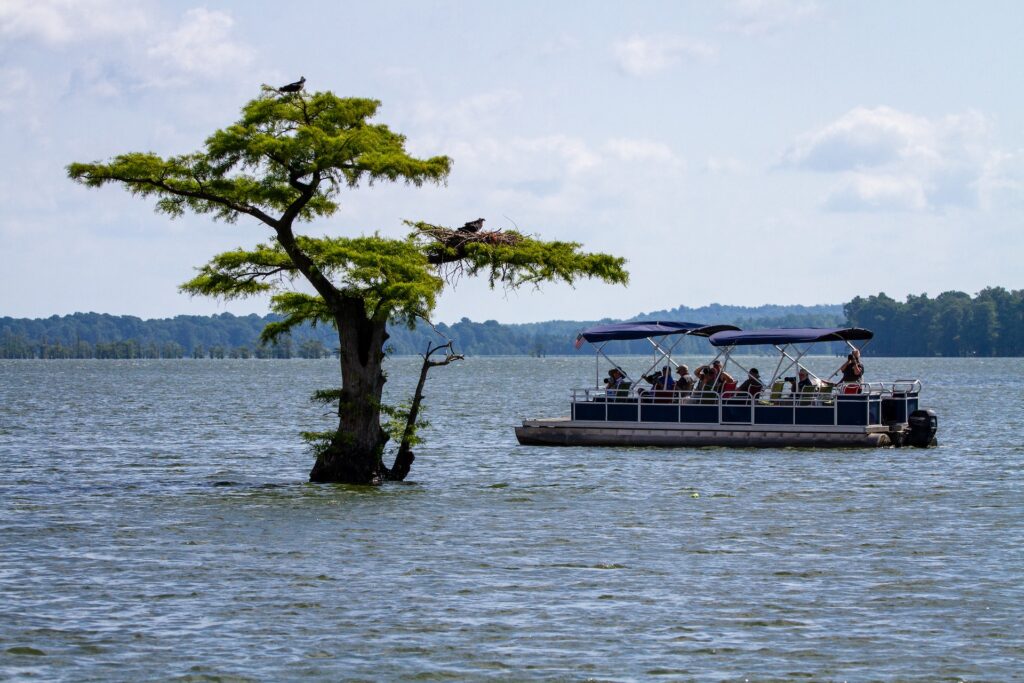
286 161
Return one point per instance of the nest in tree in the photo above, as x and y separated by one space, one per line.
451 244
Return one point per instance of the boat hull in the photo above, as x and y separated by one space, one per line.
563 432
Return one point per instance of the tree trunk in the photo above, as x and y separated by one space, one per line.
404 458
354 454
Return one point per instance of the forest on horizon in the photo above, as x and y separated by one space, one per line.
951 324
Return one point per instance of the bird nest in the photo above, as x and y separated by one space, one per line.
454 242
447 247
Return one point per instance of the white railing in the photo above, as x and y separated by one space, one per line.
736 407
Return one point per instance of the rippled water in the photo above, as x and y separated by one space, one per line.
155 523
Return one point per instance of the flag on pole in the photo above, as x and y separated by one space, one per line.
579 341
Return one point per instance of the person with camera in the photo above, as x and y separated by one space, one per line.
852 369
712 377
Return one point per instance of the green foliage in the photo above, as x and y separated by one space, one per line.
951 324
390 276
514 259
326 396
318 442
993 324
297 309
285 154
396 420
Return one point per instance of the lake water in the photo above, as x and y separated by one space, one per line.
156 523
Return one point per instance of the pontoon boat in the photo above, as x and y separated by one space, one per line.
817 412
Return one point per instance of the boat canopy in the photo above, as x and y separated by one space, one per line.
789 335
648 329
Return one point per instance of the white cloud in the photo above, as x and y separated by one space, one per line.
130 47
646 56
759 17
888 159
864 138
57 22
863 192
202 45
717 165
1002 182
646 151
470 111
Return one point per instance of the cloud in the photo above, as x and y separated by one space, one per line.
887 159
864 138
861 192
760 17
1002 181
536 177
644 151
718 165
645 56
131 49
57 22
202 45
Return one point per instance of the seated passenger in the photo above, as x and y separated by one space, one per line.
613 384
712 377
752 385
661 384
803 381
684 384
664 385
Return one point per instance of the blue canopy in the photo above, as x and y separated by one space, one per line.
789 335
647 329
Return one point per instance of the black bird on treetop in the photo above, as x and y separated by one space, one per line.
473 226
293 87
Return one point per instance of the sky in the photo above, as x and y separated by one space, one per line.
741 152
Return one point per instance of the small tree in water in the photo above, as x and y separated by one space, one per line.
285 162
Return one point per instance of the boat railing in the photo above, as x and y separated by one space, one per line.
862 404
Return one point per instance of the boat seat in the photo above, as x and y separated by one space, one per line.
776 395
729 390
623 391
851 389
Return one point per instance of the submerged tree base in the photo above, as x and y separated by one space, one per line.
346 466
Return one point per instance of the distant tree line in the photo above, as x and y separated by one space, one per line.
952 324
96 335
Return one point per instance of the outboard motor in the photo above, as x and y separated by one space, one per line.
923 426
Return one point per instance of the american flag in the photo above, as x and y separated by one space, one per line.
579 341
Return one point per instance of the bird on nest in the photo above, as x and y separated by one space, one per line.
297 86
473 226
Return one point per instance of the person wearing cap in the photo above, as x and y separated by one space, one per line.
684 383
752 384
613 384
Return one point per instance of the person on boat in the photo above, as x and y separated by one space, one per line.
802 381
684 384
852 369
661 383
613 384
712 377
665 385
752 384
